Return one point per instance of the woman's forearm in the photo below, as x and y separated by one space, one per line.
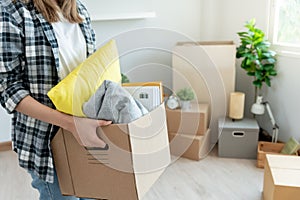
83 129
29 106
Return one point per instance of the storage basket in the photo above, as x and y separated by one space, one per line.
264 148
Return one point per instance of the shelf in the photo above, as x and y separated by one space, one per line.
123 16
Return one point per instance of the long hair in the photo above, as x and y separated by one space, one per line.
49 9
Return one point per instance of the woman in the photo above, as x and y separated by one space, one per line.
37 49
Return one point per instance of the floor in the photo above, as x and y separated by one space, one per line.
212 178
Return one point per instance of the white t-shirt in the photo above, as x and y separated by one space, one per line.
71 45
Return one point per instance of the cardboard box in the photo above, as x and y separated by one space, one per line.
209 68
191 147
192 122
137 154
281 177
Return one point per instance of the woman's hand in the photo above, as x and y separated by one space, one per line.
84 130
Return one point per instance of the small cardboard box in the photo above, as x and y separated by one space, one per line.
137 154
188 146
281 177
192 122
209 68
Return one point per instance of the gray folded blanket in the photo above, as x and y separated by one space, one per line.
113 103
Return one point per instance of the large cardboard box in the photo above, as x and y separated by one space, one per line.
209 68
193 121
137 154
281 177
188 146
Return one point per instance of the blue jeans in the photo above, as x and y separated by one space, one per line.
49 191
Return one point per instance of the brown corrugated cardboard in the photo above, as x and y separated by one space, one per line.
137 155
209 68
192 122
187 146
281 177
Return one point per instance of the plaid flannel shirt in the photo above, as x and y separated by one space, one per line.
29 59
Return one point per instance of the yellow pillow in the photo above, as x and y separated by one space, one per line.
70 93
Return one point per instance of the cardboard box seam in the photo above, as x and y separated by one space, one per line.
132 161
66 150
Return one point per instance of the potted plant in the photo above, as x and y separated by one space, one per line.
185 95
125 79
258 60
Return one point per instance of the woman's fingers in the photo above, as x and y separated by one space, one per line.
104 122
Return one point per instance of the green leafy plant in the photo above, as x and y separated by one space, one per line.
125 79
185 94
258 60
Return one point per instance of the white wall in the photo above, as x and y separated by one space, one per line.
175 21
284 98
4 126
221 22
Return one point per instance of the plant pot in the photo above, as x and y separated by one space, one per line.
185 105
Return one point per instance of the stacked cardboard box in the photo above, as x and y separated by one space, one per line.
188 131
209 68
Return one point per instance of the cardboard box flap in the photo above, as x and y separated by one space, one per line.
290 162
150 148
286 177
285 169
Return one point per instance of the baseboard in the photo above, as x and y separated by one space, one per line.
6 146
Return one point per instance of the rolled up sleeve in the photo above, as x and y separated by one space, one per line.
12 89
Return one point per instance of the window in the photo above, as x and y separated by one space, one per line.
285 26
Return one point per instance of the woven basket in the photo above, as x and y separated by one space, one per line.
264 148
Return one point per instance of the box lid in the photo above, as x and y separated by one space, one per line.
245 123
284 161
285 170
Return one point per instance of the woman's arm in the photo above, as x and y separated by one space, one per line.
83 129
